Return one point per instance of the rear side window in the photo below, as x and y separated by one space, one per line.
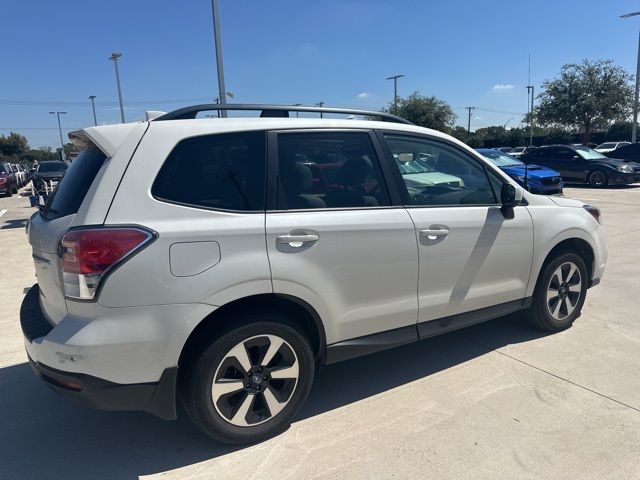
68 196
223 171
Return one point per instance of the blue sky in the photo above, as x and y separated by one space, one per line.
467 52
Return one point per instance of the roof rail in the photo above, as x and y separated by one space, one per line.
274 111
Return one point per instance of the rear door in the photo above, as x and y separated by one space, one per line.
334 237
47 227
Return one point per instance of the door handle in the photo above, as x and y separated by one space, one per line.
297 240
434 232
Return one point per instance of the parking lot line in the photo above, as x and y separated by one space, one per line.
2 212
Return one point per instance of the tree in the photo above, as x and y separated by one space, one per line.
13 145
619 131
585 97
38 155
557 136
424 111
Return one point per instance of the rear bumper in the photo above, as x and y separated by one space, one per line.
111 358
156 398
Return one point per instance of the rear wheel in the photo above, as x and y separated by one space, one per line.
249 383
560 293
598 179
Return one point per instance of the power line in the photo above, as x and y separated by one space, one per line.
78 103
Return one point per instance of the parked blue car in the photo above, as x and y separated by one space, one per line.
540 179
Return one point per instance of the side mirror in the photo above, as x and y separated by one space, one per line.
510 195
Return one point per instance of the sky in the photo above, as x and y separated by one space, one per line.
466 52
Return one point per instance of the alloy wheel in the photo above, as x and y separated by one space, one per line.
564 290
255 380
598 179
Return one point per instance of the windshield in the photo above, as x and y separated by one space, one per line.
607 145
500 159
407 168
52 167
519 149
3 169
589 153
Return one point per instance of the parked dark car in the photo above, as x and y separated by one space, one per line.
8 180
539 179
627 152
47 171
579 164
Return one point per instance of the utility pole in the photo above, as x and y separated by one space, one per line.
115 57
634 131
215 10
60 131
471 109
395 92
320 104
93 106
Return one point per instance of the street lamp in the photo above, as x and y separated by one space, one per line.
634 131
215 10
60 131
395 91
115 56
93 106
217 100
530 89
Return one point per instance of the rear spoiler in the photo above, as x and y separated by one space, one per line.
107 138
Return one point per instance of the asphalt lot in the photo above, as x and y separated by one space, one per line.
498 400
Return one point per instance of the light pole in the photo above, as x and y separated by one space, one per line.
115 57
215 10
530 90
471 109
93 106
320 104
217 100
60 131
395 92
634 130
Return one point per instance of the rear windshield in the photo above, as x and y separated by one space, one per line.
67 198
52 167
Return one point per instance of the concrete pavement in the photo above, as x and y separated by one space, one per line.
498 400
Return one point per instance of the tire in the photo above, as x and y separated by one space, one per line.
244 415
559 294
14 190
598 179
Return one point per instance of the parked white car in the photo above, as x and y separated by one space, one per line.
610 146
202 260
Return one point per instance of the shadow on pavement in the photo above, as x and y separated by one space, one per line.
46 436
14 223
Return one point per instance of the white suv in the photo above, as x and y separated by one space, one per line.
220 261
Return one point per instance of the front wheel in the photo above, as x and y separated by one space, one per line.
560 293
598 179
250 382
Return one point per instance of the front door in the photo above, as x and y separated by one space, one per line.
473 254
335 240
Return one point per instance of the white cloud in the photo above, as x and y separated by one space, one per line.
363 95
501 87
478 118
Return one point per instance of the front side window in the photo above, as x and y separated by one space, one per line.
223 171
329 170
450 177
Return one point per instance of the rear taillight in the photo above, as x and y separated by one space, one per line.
87 256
